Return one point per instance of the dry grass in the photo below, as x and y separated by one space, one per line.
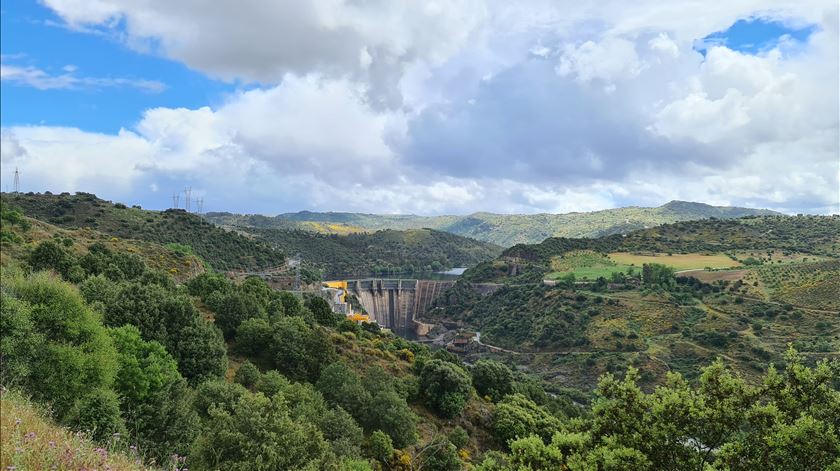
692 261
31 442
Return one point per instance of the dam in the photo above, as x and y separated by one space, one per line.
398 304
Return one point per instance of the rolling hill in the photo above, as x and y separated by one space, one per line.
501 229
739 289
384 251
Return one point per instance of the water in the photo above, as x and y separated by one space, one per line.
450 274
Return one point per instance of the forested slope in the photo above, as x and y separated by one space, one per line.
386 251
206 373
224 250
501 229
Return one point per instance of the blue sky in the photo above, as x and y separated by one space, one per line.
757 35
32 35
413 108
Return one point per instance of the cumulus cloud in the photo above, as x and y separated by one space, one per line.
472 105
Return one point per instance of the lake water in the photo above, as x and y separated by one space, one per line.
450 274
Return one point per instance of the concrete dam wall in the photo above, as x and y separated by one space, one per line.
397 304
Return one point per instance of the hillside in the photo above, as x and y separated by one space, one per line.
223 250
202 372
738 289
31 441
501 229
385 251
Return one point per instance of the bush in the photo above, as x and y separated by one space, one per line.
459 437
58 349
98 414
380 446
446 387
492 378
247 375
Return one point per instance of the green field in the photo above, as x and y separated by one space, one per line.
587 264
679 262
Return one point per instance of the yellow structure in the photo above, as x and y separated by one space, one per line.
342 285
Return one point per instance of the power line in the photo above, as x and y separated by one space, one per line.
187 192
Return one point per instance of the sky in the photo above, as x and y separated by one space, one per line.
424 107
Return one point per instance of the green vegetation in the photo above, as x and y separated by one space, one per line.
28 440
679 262
223 250
501 229
811 284
585 264
381 252
195 370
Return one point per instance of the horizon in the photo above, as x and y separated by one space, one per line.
424 110
327 211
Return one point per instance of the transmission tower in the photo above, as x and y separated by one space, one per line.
176 197
199 205
294 262
17 181
187 192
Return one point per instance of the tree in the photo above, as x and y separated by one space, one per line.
380 446
153 396
655 274
234 308
388 411
298 350
247 375
97 412
445 386
200 351
342 431
207 283
59 350
440 455
253 336
257 433
517 417
459 437
322 311
532 453
341 386
492 378
291 304
172 320
48 255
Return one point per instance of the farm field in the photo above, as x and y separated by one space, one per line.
587 264
677 261
584 264
814 284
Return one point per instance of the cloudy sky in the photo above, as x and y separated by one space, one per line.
424 107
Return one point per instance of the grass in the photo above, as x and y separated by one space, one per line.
588 264
691 261
584 264
31 442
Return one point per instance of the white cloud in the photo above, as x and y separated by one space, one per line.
453 107
37 78
609 60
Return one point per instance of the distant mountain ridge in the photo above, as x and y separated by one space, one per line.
501 229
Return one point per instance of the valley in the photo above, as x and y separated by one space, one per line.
179 338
